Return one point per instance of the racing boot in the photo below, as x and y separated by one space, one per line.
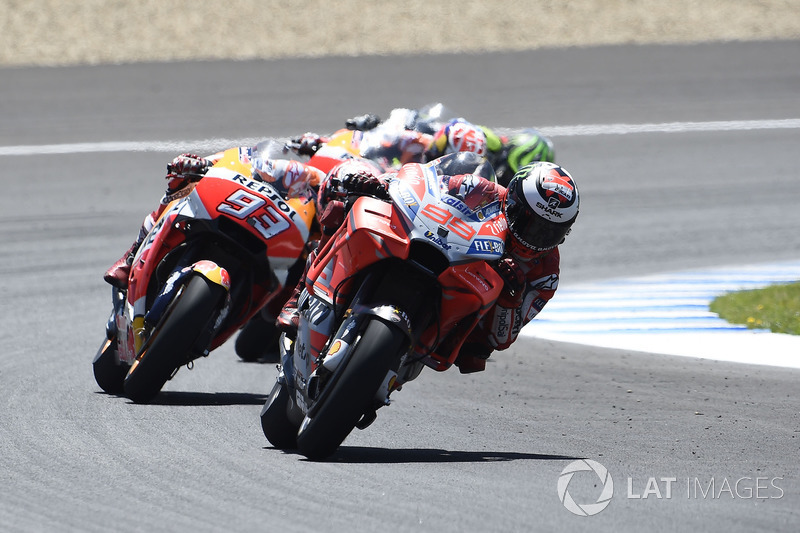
118 274
472 357
289 318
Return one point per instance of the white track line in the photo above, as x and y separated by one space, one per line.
554 131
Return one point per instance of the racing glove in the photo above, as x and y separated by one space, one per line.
307 144
185 169
189 164
514 281
363 122
363 184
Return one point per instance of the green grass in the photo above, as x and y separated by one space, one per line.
776 308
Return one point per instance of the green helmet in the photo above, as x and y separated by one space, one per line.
528 146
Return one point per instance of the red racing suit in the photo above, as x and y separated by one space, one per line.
499 328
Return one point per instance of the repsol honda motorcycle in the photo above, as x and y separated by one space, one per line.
213 259
397 288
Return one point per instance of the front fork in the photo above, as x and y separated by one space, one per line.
307 375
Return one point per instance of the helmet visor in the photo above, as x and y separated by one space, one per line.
530 229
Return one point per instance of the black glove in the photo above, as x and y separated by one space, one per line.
185 169
188 164
363 122
364 184
307 144
513 278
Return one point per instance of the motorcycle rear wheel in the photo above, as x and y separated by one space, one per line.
108 373
353 393
258 341
280 431
170 344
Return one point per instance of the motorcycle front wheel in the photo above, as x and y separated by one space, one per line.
171 343
352 394
108 373
280 431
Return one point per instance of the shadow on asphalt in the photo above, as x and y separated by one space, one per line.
356 454
208 398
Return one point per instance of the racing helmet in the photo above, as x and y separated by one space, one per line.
458 135
541 205
523 148
349 167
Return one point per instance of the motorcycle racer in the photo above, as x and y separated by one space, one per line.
398 140
523 148
506 153
291 179
540 206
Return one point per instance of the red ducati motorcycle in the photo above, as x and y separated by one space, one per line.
397 288
213 259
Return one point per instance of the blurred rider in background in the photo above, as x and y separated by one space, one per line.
521 149
405 137
506 153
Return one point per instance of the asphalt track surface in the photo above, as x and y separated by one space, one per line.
481 452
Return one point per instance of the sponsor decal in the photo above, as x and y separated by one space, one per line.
557 185
335 347
517 324
549 209
317 311
267 190
481 282
486 246
245 153
458 205
498 226
436 240
502 323
408 198
547 283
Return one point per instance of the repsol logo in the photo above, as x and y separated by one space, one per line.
268 191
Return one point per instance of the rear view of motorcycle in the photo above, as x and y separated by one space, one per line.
213 259
397 288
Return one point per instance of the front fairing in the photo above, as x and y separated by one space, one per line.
445 219
226 217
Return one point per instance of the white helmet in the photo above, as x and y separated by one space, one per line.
541 205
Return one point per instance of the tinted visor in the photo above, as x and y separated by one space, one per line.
532 230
